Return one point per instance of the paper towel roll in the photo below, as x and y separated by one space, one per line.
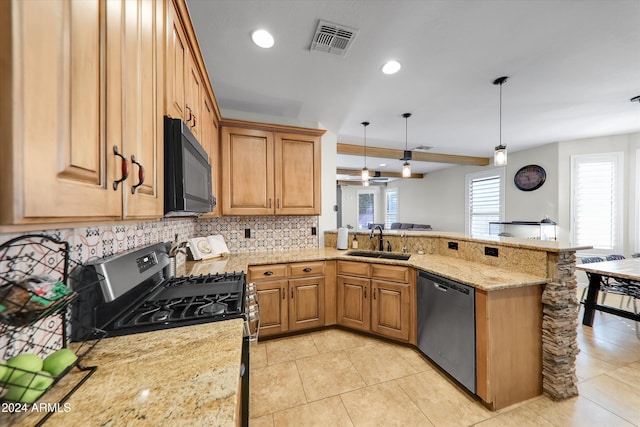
343 238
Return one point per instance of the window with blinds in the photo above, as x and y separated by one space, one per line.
366 203
596 201
485 200
391 207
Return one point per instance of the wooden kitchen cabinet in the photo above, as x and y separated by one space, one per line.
508 319
353 304
274 312
378 298
306 305
390 309
185 82
72 102
142 35
269 169
209 140
291 296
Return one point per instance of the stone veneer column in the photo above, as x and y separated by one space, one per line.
559 328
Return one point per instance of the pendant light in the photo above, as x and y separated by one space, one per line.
406 167
365 171
500 153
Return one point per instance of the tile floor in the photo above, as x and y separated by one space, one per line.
339 378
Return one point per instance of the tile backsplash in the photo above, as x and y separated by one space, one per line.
269 233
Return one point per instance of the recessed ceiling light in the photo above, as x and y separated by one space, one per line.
262 38
382 165
391 67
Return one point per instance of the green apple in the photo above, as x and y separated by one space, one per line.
58 361
27 388
23 362
4 372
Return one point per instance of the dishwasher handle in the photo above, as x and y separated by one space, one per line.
440 287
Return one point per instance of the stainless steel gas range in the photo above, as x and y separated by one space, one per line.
133 292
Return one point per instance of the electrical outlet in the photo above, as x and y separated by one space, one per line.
314 231
247 233
490 251
453 245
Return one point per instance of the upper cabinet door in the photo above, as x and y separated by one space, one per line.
177 59
297 175
58 160
142 97
247 172
193 97
209 141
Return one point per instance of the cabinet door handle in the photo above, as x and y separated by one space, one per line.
269 203
124 168
284 294
365 292
374 293
190 113
140 174
307 269
291 293
194 121
278 202
268 273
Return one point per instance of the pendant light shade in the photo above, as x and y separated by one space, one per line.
365 171
406 167
500 153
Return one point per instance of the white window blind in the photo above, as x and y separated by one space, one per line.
596 183
391 208
485 200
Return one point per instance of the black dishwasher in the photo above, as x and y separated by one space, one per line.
446 326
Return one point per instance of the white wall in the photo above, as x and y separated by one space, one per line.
328 219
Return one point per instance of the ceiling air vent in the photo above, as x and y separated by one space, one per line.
333 38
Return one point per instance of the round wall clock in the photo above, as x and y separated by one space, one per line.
530 177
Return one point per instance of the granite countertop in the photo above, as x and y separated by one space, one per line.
541 245
182 376
478 275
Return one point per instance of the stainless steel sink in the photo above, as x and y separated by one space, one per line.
383 255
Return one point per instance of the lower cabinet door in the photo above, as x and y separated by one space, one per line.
306 303
353 302
390 309
274 316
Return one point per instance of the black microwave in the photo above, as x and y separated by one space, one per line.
187 172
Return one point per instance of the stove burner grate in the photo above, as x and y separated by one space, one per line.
181 309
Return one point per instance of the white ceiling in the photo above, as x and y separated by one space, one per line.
572 65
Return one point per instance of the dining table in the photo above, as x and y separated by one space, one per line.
626 272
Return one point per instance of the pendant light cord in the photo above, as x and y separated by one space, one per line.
406 130
500 121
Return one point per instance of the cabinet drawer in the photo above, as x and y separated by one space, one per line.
351 268
390 272
267 272
305 269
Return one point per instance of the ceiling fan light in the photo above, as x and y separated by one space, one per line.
500 156
406 170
